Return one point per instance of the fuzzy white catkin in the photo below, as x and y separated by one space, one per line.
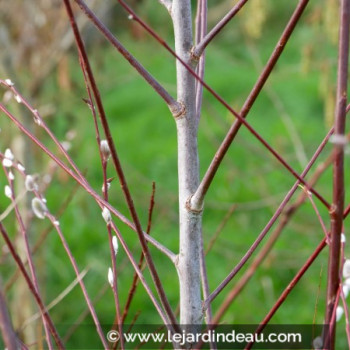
346 268
21 167
346 290
30 183
115 245
106 214
8 191
7 163
18 99
339 313
108 187
8 154
105 150
39 208
110 277
9 82
8 158
343 238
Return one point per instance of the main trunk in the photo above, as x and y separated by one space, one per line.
188 169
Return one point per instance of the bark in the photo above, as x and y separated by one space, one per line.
337 208
188 168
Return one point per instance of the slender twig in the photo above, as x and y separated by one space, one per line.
196 204
102 204
84 184
329 331
201 30
28 253
104 159
343 297
268 226
338 170
58 299
42 237
200 46
80 280
173 105
347 316
346 212
314 206
142 279
9 337
288 289
206 292
198 197
31 286
12 205
39 120
287 215
118 319
117 165
135 280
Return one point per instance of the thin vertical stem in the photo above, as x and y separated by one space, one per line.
8 334
200 46
80 280
32 288
206 291
288 289
28 253
140 264
201 30
337 208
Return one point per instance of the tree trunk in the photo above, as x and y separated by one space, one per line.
188 169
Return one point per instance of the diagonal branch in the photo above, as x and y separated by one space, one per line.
194 204
198 50
198 197
8 334
84 184
288 212
268 226
173 105
32 288
78 177
288 289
